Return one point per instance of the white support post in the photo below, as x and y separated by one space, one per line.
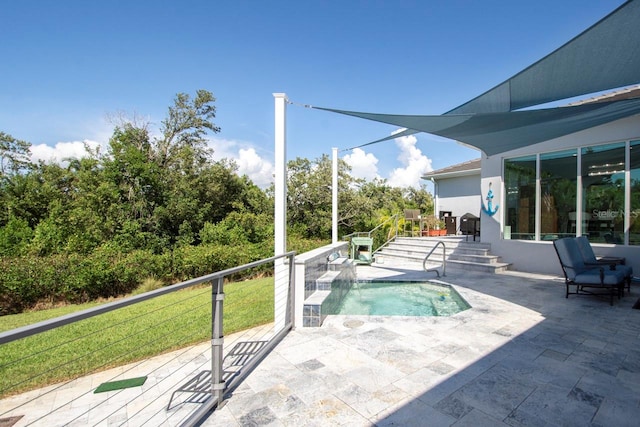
280 214
281 271
334 198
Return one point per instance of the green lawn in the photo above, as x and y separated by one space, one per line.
122 336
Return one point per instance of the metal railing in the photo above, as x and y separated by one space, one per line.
444 259
175 321
382 234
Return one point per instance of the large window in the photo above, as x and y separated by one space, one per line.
558 188
603 192
634 172
520 186
592 191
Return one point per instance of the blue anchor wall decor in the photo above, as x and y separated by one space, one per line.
489 209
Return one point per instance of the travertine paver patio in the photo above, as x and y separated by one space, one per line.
522 356
74 403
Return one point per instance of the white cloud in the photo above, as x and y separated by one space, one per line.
62 151
259 170
363 165
223 148
249 162
415 164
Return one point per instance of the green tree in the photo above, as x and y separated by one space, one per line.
183 145
136 183
15 155
420 198
30 196
14 158
309 196
361 205
143 192
168 187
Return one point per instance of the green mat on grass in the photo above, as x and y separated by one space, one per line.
117 385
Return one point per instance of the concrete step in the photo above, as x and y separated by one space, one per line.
459 254
423 249
436 262
451 246
448 241
482 259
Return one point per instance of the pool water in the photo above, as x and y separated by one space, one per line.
402 299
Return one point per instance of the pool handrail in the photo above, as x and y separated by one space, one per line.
444 259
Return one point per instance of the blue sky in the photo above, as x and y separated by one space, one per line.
66 66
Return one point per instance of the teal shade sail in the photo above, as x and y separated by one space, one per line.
603 57
496 133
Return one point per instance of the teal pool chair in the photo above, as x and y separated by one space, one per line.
614 263
589 280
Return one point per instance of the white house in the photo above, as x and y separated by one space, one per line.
456 191
584 183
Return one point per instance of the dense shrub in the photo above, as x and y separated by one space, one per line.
15 237
196 261
28 280
301 244
73 278
107 272
16 285
239 228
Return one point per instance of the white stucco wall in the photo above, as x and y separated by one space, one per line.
459 195
540 257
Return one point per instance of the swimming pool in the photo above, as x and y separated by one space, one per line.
401 298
